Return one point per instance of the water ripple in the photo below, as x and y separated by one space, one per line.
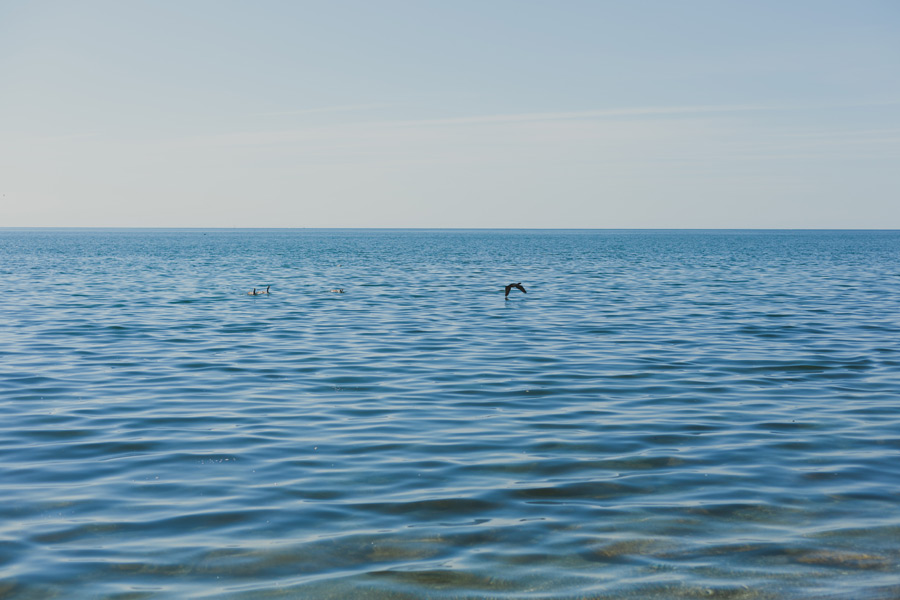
662 415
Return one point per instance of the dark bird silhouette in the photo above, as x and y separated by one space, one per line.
514 285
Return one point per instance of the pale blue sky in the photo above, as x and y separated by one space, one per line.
418 113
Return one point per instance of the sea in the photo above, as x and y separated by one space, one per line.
660 415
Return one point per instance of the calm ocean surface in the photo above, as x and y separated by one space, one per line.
664 414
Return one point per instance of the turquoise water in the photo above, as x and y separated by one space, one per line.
664 414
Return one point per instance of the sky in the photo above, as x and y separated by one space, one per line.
453 113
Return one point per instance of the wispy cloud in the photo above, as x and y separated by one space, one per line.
583 114
639 135
606 113
360 129
323 109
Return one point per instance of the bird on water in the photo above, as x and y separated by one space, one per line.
514 285
337 291
255 293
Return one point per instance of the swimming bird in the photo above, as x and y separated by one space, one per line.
267 290
254 293
514 285
337 291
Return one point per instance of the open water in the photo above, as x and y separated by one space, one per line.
664 414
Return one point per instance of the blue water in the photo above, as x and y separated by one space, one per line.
664 414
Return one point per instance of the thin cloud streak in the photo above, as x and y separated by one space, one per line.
575 115
342 130
323 109
702 133
641 111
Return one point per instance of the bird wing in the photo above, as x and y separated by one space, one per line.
519 285
509 287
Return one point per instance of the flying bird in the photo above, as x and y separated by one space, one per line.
514 285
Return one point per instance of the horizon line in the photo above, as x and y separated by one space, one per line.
236 228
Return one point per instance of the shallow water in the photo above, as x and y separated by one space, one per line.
663 415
